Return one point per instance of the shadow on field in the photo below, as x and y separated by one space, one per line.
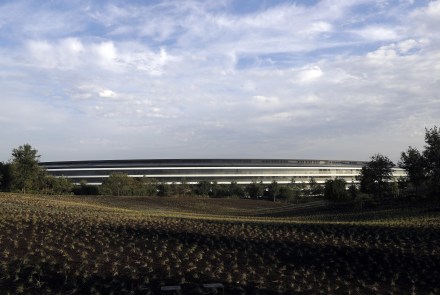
355 258
384 256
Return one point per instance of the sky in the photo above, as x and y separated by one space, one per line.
322 79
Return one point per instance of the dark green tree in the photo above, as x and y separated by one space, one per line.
185 189
414 164
302 187
315 187
254 189
56 185
117 184
286 193
221 191
63 186
296 188
375 176
353 191
163 189
215 190
204 188
85 189
26 173
273 190
5 177
335 190
431 155
174 189
144 186
1 175
395 191
235 189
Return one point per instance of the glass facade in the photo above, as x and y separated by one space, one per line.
219 170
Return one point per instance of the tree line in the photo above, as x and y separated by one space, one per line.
24 174
376 177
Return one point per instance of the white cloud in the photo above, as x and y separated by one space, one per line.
249 86
393 50
383 53
433 9
425 21
377 33
266 100
107 93
73 45
309 74
106 51
221 83
320 27
407 45
75 54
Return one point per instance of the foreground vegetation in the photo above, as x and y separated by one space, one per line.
130 245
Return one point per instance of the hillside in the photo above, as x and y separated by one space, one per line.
128 245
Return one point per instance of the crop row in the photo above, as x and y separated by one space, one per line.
61 247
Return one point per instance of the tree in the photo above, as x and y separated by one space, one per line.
1 175
254 189
235 189
302 186
273 190
220 190
315 187
5 177
144 186
431 155
56 185
216 190
203 188
85 189
375 175
184 188
335 190
286 193
353 191
414 164
117 184
174 189
63 185
163 189
26 173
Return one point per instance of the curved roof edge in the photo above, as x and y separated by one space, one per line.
200 163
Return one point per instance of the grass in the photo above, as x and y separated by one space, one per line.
130 245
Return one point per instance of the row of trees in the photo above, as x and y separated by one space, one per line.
118 184
376 177
423 168
23 174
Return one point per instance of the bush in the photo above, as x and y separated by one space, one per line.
285 193
85 189
335 190
164 189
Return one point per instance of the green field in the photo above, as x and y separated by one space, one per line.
135 245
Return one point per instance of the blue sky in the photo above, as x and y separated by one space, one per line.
327 79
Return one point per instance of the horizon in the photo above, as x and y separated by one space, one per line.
323 79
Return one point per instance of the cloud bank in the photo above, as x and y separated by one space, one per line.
218 79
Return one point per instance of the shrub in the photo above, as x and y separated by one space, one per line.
335 190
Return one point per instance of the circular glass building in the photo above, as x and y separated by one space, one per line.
222 171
